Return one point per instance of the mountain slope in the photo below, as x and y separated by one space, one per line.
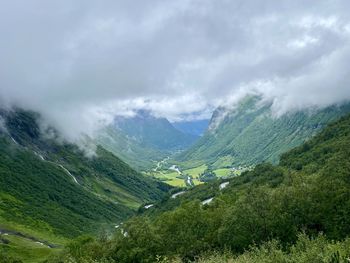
128 149
53 187
299 210
249 134
196 127
144 139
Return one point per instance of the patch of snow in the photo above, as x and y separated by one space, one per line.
223 185
177 194
207 201
148 206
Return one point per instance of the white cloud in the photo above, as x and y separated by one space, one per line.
80 63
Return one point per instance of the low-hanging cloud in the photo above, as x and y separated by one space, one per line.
79 63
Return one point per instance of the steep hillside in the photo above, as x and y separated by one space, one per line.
297 211
143 139
130 150
249 134
55 188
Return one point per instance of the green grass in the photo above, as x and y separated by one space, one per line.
171 177
223 172
35 232
194 172
225 161
102 185
40 200
26 250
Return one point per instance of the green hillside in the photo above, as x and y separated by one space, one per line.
249 134
298 211
143 140
129 150
52 190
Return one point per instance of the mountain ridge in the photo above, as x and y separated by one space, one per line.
249 133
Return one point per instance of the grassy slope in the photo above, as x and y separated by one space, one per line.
39 198
249 135
130 150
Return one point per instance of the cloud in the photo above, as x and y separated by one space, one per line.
80 63
2 125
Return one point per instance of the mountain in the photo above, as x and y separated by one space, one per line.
297 211
249 133
195 127
52 188
143 139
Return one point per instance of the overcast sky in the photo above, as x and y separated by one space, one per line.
81 62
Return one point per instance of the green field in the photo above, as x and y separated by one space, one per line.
194 172
27 250
223 172
171 177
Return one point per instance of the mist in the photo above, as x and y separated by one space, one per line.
81 63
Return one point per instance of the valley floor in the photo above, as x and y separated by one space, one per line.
175 175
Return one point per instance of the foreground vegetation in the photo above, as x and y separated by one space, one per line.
305 250
298 211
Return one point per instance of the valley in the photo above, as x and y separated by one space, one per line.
242 210
240 138
175 131
173 174
63 185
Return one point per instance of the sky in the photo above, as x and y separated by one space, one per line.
80 63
